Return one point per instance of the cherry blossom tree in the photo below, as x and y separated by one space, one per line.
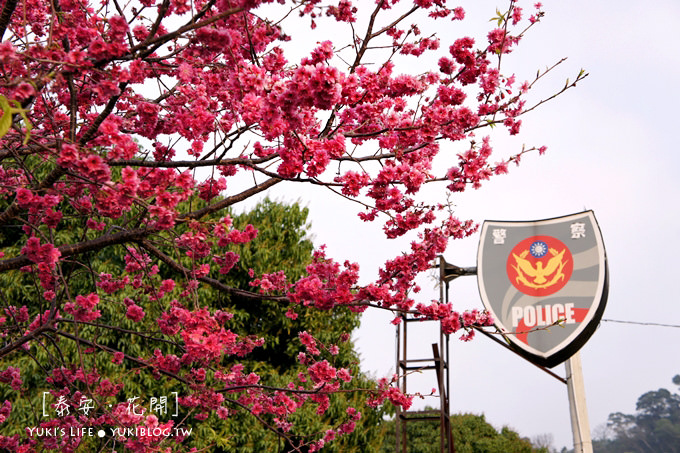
130 128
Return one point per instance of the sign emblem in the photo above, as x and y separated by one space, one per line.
541 274
540 265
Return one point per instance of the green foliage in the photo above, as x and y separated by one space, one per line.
655 426
282 243
471 434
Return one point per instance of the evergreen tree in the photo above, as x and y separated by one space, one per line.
282 243
471 434
653 428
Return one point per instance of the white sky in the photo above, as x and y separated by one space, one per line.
611 148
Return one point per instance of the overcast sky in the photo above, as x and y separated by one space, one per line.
612 148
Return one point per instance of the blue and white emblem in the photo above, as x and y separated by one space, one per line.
538 249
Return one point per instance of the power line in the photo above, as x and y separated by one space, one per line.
655 324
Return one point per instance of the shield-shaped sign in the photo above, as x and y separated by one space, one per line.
544 282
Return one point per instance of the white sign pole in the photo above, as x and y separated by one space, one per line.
577 405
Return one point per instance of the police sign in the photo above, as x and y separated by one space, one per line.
544 282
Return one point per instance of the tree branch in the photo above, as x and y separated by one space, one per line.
158 42
82 247
188 163
26 338
6 16
125 236
120 329
14 209
94 127
92 344
177 267
230 200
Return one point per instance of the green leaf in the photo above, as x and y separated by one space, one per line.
8 112
499 18
6 120
21 111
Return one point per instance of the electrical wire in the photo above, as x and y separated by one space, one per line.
655 324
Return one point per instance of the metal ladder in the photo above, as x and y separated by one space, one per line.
439 362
